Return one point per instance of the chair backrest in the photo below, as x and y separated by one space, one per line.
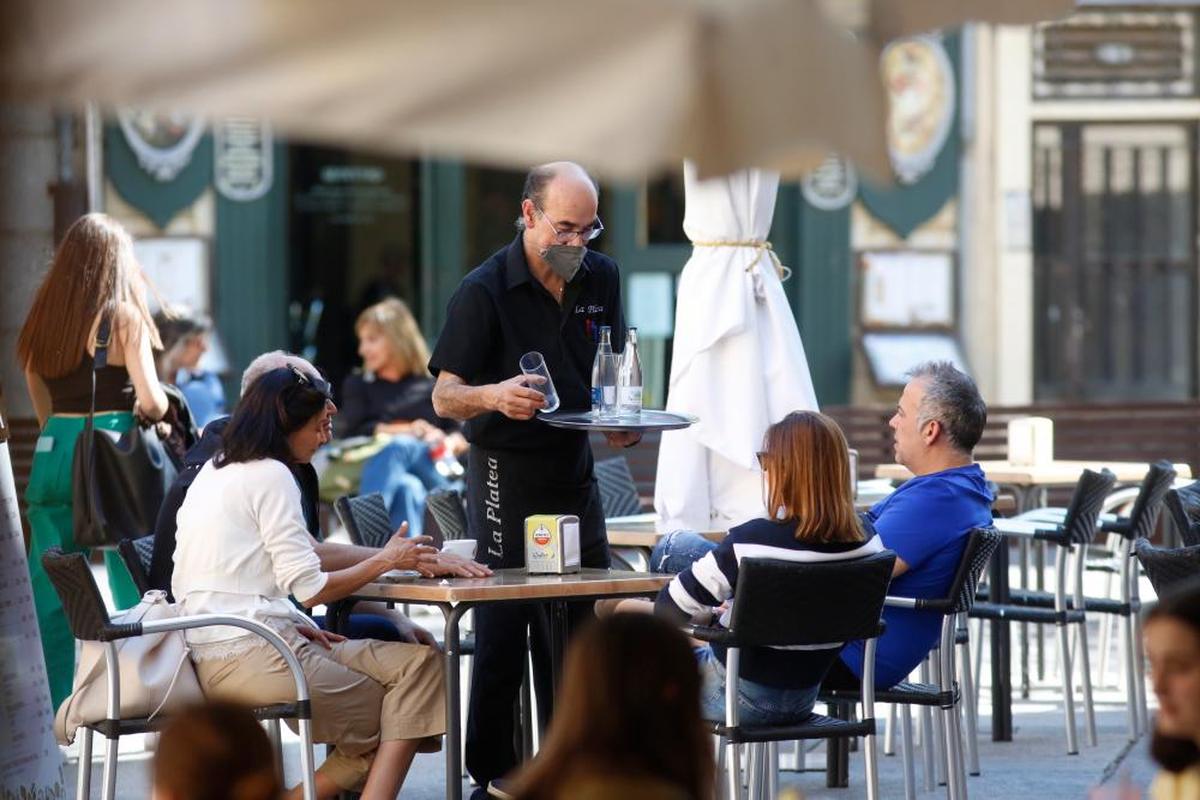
1079 524
77 591
1167 566
789 603
981 543
1148 505
366 519
137 555
618 492
447 509
1184 506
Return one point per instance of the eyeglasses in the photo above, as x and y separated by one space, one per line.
317 384
762 459
586 234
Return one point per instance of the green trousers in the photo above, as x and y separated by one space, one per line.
48 500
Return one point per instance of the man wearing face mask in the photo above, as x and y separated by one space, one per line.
545 291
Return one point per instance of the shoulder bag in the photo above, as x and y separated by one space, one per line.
118 480
156 672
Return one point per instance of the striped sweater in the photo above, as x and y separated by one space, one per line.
695 593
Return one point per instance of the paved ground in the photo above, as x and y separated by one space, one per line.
1035 764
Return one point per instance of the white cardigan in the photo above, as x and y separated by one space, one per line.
241 547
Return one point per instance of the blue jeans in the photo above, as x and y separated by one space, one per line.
404 474
757 704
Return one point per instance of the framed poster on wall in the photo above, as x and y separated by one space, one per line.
178 268
907 289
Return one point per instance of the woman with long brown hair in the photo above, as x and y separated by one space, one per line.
627 720
810 517
94 289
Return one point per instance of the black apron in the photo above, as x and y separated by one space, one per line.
506 486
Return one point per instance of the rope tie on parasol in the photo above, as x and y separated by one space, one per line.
759 246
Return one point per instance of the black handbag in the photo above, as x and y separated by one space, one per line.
118 480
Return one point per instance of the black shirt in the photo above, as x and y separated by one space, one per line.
500 312
368 400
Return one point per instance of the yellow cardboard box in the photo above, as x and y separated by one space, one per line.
552 543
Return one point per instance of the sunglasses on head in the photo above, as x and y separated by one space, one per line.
318 384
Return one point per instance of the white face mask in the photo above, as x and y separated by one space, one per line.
564 259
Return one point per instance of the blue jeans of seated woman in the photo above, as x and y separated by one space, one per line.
758 704
404 474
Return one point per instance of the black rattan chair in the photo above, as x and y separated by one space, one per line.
1167 567
943 692
88 620
446 508
137 555
366 519
1077 530
1183 504
618 491
771 606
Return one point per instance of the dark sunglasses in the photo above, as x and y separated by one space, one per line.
317 384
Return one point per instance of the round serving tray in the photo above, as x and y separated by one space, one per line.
649 420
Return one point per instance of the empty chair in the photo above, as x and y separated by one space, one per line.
618 491
88 620
1183 504
851 593
446 507
1077 529
1168 566
366 519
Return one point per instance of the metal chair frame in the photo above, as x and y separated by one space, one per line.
89 621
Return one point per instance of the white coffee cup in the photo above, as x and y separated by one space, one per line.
460 547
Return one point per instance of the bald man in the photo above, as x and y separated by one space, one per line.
544 291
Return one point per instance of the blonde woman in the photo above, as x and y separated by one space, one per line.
94 290
393 395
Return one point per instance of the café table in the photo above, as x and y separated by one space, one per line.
1028 484
456 596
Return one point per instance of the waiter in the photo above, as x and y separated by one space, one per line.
547 292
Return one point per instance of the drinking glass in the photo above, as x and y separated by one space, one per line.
532 363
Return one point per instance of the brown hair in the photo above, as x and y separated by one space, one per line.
392 318
808 478
1180 602
629 706
93 274
215 751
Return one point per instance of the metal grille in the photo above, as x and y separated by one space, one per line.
1114 261
1116 54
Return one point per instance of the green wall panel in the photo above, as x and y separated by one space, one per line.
822 298
250 268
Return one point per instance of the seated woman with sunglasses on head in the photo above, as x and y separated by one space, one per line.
242 548
810 518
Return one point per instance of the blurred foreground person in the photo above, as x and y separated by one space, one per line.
215 751
627 720
95 291
1172 635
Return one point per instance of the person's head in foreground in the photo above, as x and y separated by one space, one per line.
627 718
389 341
215 751
806 469
938 420
283 414
1172 638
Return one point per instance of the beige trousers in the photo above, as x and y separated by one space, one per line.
363 691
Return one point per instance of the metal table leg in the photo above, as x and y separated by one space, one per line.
453 614
1001 650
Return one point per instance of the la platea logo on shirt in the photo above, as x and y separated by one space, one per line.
582 309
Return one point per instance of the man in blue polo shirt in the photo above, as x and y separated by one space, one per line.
937 424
